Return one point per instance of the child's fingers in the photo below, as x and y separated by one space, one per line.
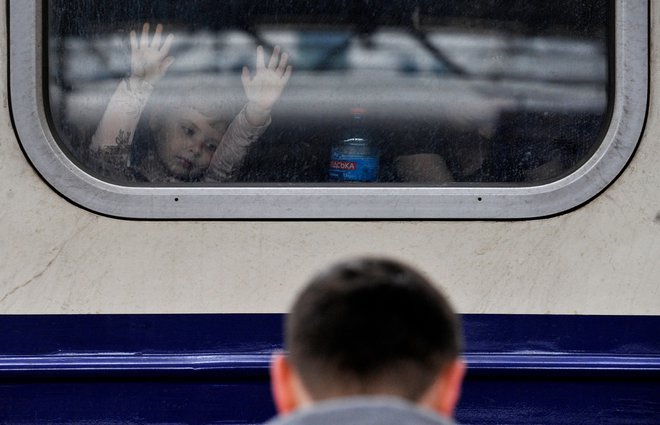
168 43
287 75
155 42
261 62
282 65
166 64
245 76
134 42
144 40
272 63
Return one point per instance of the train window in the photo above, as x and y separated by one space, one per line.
328 109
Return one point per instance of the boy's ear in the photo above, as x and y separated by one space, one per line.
286 387
443 395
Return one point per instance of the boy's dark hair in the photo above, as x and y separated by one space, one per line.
371 326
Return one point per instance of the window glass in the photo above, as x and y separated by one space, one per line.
423 92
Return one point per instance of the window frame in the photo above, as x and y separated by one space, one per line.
629 98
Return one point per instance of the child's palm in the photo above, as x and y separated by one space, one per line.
266 86
150 60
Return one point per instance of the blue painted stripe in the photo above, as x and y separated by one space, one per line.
241 344
240 333
200 369
219 365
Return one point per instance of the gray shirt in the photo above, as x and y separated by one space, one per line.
362 410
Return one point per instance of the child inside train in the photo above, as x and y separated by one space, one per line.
182 140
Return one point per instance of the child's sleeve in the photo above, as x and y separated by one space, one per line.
233 148
149 62
122 114
112 161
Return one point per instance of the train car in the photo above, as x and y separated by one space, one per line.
169 184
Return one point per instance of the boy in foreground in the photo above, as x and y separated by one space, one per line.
369 341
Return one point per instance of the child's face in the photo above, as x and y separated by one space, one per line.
186 141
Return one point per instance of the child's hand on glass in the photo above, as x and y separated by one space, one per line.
149 58
266 85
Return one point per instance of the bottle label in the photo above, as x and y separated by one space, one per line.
359 168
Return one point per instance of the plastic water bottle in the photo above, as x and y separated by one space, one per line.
355 157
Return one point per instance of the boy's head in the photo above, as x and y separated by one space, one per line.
187 133
370 326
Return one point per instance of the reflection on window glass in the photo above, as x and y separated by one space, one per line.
424 92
